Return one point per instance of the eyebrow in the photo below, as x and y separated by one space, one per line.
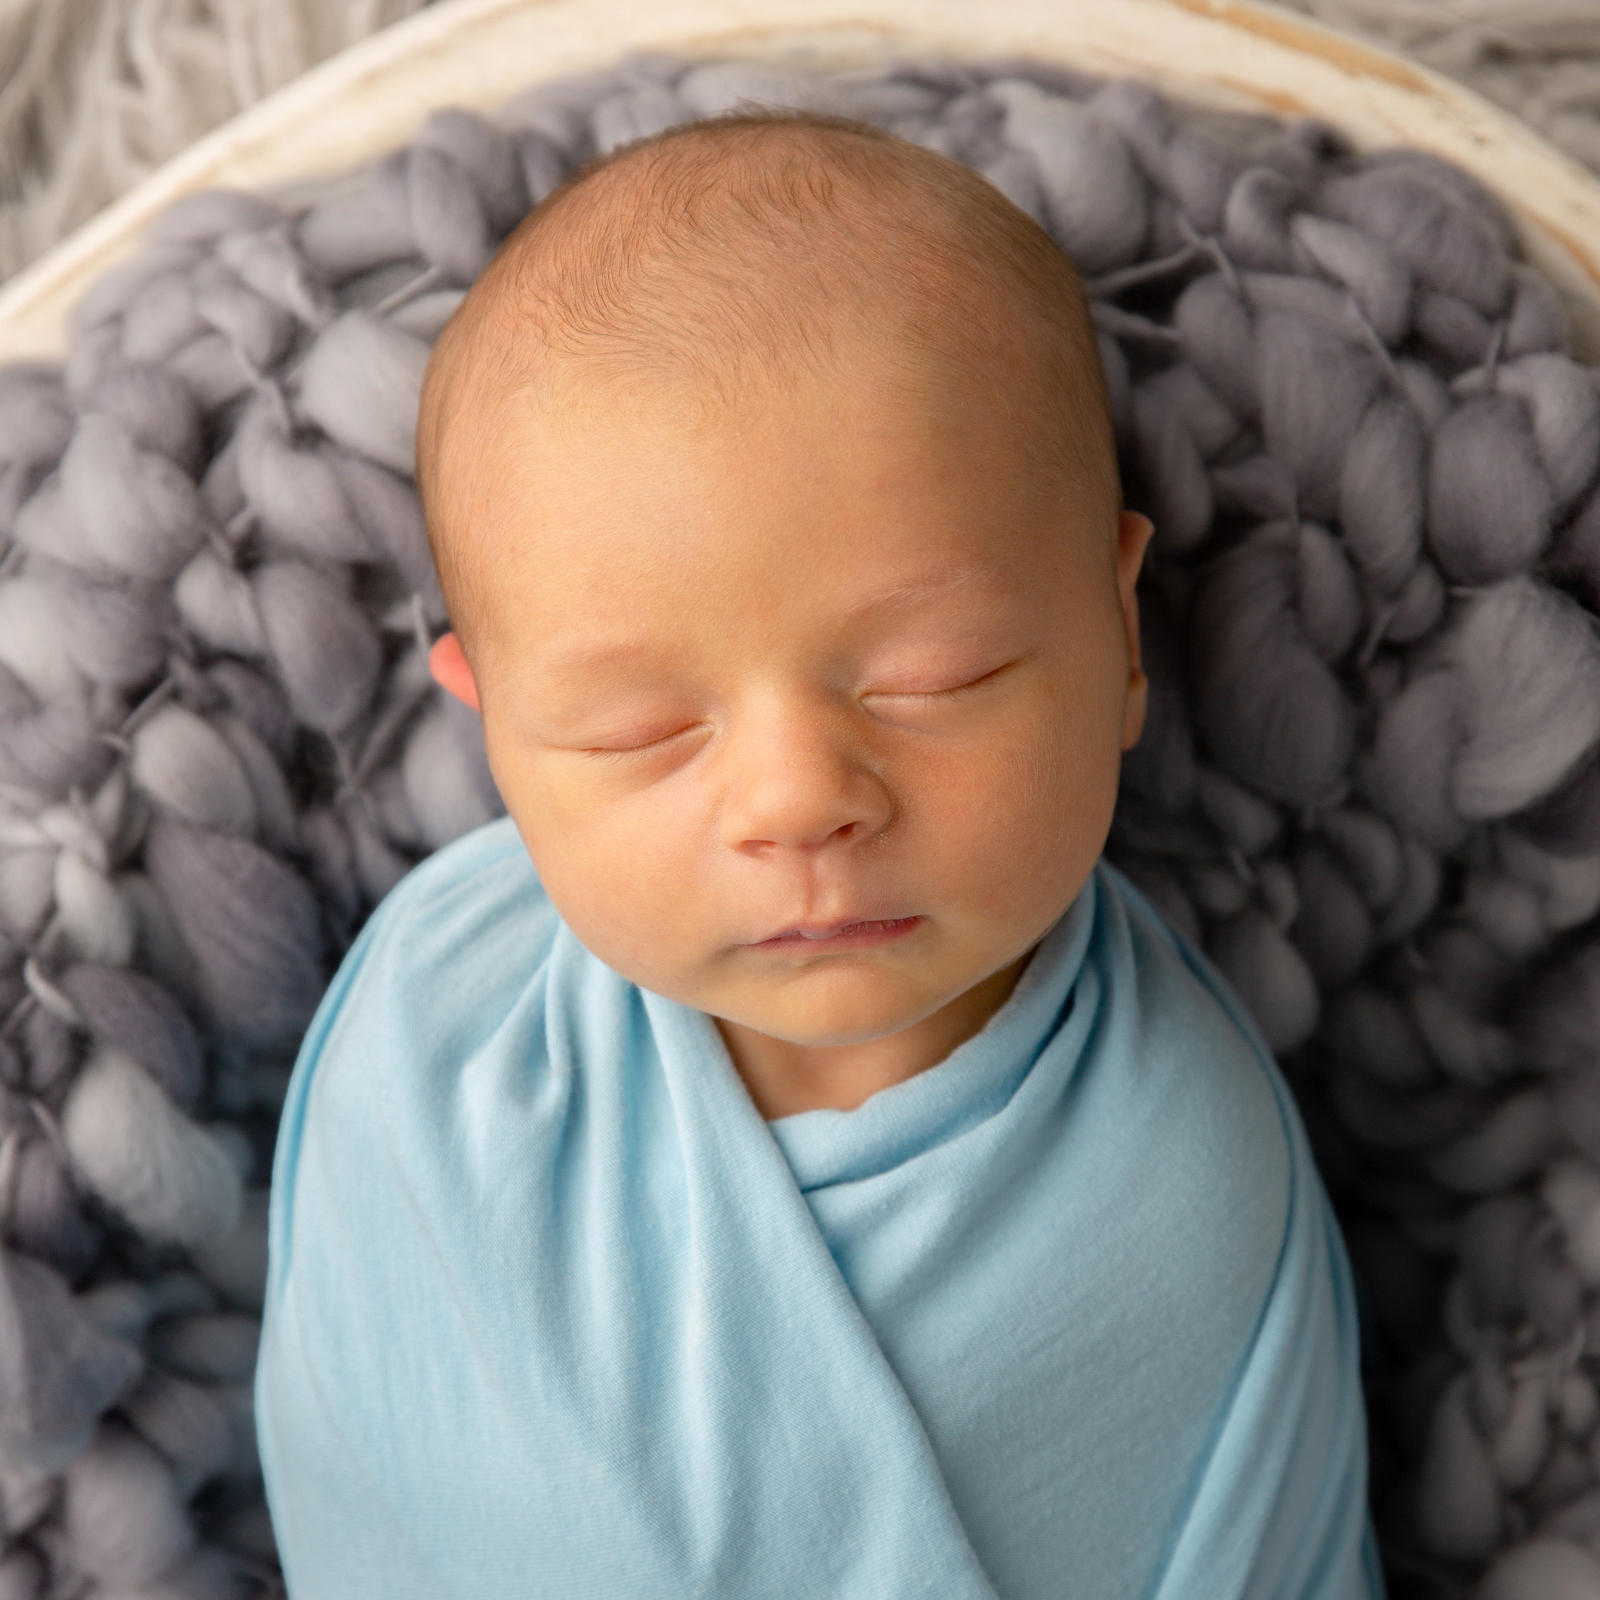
940 580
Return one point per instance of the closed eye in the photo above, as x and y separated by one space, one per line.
606 754
941 694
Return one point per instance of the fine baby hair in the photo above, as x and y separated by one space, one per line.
735 259
1369 785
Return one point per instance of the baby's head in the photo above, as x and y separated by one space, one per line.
771 480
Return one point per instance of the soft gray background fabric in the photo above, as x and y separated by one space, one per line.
98 93
152 397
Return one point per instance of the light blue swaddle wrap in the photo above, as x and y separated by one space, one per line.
553 1312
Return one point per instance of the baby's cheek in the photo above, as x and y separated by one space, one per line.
555 798
622 877
1034 820
1057 762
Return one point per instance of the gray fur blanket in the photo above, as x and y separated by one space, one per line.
1369 785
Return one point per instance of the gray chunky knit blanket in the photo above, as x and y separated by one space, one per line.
1370 784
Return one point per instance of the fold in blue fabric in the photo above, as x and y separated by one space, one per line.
553 1312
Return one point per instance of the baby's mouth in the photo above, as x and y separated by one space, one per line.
843 935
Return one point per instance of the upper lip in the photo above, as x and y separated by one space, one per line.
819 930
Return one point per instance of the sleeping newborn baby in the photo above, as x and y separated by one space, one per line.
781 1158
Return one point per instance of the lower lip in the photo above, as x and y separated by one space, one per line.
859 937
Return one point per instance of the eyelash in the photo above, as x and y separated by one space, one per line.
937 694
949 694
632 750
601 754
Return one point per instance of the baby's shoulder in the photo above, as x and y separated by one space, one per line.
1193 1045
483 887
1200 988
451 952
451 946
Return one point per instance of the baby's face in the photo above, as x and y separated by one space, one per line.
844 661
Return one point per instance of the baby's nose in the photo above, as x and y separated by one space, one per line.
800 784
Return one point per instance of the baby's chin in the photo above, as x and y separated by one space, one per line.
840 1000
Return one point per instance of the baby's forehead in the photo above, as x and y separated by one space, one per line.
724 264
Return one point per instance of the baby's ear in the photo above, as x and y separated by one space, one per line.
447 661
1133 536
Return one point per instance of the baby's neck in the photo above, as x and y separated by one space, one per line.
784 1078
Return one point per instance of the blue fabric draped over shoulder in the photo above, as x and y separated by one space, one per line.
553 1312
